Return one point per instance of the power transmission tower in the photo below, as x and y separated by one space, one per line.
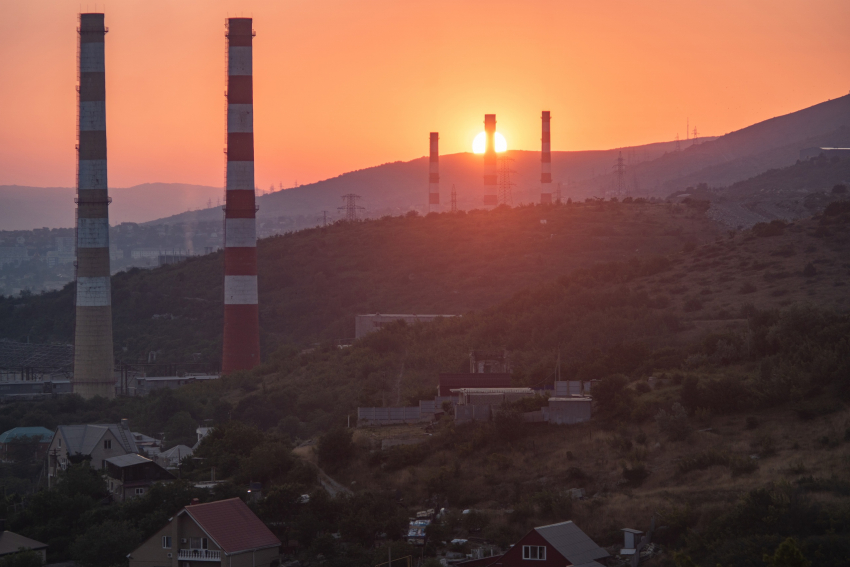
454 199
620 169
678 145
505 184
558 194
324 218
696 136
351 207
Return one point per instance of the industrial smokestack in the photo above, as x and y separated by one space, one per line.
93 358
434 171
241 346
490 176
545 161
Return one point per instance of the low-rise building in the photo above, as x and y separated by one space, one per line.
225 533
11 543
93 442
566 411
555 545
132 475
172 458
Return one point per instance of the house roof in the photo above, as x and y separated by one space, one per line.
11 542
83 439
128 460
232 525
41 433
572 543
177 452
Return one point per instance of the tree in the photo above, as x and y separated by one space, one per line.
610 390
335 448
180 429
788 554
106 544
24 558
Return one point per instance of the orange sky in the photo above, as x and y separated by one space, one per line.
342 85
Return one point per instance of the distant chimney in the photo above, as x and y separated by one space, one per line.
434 171
545 161
125 424
195 502
490 175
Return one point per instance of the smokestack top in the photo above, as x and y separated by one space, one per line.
92 23
239 26
490 122
545 115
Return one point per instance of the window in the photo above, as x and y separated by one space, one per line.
107 443
60 441
140 491
197 543
534 552
166 542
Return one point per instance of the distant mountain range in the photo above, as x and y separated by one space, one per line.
392 188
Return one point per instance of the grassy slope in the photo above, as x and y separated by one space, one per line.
313 282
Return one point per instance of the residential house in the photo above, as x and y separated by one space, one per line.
553 545
132 475
94 442
224 533
11 543
171 458
18 442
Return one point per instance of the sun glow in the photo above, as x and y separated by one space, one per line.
479 144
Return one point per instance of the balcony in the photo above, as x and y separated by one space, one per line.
199 555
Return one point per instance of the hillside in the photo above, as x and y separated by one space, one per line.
653 170
741 442
313 282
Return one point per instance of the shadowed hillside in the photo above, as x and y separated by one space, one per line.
313 282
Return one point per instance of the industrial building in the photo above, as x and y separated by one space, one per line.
93 328
808 153
241 344
369 323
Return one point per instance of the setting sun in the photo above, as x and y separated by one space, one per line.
480 142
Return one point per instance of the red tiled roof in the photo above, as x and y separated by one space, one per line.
232 525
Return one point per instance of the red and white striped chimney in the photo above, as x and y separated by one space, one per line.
434 171
241 345
545 161
490 175
93 357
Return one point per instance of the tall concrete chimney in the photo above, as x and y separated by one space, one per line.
434 171
241 345
490 175
545 162
93 358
